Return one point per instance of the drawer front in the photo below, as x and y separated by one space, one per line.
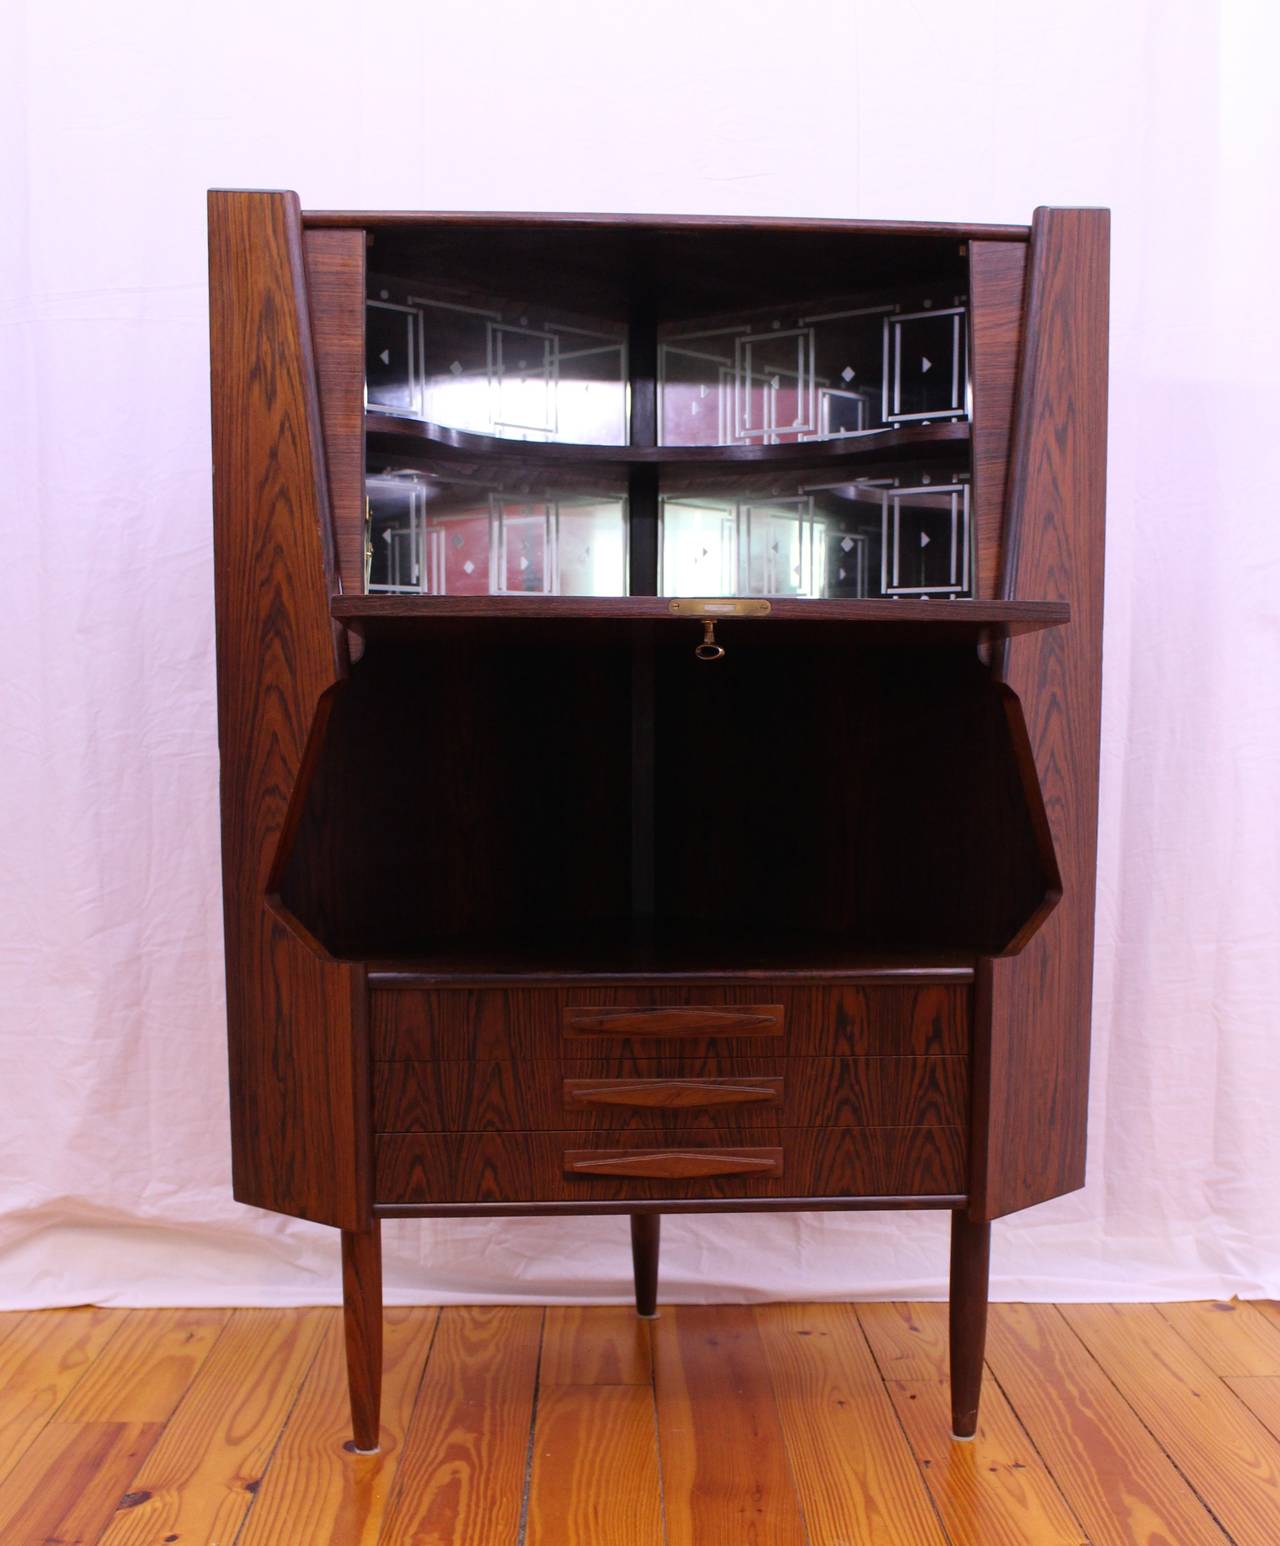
520 1024
427 1168
666 1094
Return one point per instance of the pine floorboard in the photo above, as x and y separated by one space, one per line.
778 1425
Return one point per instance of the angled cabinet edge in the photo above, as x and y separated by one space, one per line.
296 1031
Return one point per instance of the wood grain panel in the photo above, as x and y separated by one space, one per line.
853 1475
812 1092
1229 1457
294 1019
594 1480
993 1490
997 282
820 1162
1121 1485
42 1360
522 1024
336 296
595 1345
1031 1116
724 1464
70 1482
1231 1337
199 1481
1261 1394
318 1490
462 1468
696 1021
908 1341
146 1368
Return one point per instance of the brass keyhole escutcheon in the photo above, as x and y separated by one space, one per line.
709 649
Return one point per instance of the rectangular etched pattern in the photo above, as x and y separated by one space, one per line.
545 1096
529 1167
520 1024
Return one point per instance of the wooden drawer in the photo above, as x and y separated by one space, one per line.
667 1094
521 1024
429 1168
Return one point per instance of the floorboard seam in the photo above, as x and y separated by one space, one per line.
782 1427
1039 1454
902 1429
527 1492
1169 1456
288 1418
397 1482
657 1430
173 1411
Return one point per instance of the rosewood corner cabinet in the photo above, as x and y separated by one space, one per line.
659 673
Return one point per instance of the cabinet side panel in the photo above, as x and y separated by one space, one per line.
997 281
295 1019
336 293
1032 1039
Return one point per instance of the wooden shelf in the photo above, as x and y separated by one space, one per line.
693 954
884 621
389 435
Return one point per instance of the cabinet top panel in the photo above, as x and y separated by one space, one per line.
530 220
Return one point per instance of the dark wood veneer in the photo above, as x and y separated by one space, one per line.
1032 1108
295 1020
529 1167
673 1164
898 620
672 1093
535 220
997 284
636 1021
336 291
808 927
521 1025
644 1094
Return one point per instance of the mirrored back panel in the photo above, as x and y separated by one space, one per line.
494 367
821 535
820 370
442 529
834 370
461 532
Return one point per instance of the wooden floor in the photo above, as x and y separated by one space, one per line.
729 1426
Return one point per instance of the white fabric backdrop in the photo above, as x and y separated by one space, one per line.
114 120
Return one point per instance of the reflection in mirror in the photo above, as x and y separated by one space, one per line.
438 535
826 372
817 538
476 364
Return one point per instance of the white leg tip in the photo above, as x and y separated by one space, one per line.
964 1438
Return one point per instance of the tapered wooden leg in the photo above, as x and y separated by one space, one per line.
362 1317
970 1261
645 1231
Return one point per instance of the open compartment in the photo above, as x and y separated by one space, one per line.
493 795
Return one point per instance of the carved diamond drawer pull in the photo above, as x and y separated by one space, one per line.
672 1094
673 1164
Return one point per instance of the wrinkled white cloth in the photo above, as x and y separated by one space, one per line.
113 1109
